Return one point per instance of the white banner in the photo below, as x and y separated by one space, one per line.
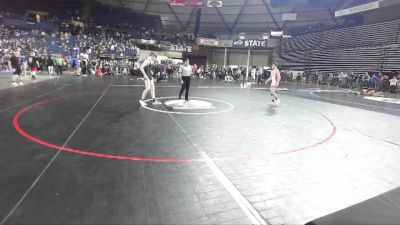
175 55
148 42
225 43
276 33
207 42
214 3
180 48
250 43
357 9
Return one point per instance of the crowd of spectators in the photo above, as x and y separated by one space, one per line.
93 49
120 40
378 81
231 73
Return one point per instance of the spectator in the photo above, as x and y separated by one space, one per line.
386 83
366 78
59 62
393 84
15 63
253 73
84 68
34 65
50 65
259 75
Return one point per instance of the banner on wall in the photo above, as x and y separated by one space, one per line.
175 55
214 3
178 2
276 33
357 9
148 42
180 48
225 43
250 43
175 48
197 3
207 42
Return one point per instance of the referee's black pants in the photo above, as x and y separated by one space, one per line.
185 85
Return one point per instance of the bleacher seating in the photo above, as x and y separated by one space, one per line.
392 58
367 35
302 42
372 47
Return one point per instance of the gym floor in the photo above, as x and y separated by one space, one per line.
81 150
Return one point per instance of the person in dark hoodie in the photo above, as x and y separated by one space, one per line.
15 64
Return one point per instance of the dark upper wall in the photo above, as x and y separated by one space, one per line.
382 15
114 16
58 8
67 9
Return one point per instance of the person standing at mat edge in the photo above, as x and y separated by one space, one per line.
15 59
275 78
185 71
148 68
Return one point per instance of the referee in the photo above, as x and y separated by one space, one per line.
185 71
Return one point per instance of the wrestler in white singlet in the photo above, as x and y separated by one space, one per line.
275 78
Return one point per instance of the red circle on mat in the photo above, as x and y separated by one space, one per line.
20 130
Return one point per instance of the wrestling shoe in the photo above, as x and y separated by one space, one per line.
142 103
157 103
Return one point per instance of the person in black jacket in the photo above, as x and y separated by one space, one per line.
84 67
50 65
15 64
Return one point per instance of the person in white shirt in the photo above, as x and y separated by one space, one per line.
148 70
398 85
200 72
259 75
275 78
393 84
185 72
253 73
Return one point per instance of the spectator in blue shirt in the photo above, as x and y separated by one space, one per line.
375 81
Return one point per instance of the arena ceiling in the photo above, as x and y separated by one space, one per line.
250 16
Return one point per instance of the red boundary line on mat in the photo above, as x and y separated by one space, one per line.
333 132
131 158
78 151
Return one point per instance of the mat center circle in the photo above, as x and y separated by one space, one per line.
195 106
189 105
